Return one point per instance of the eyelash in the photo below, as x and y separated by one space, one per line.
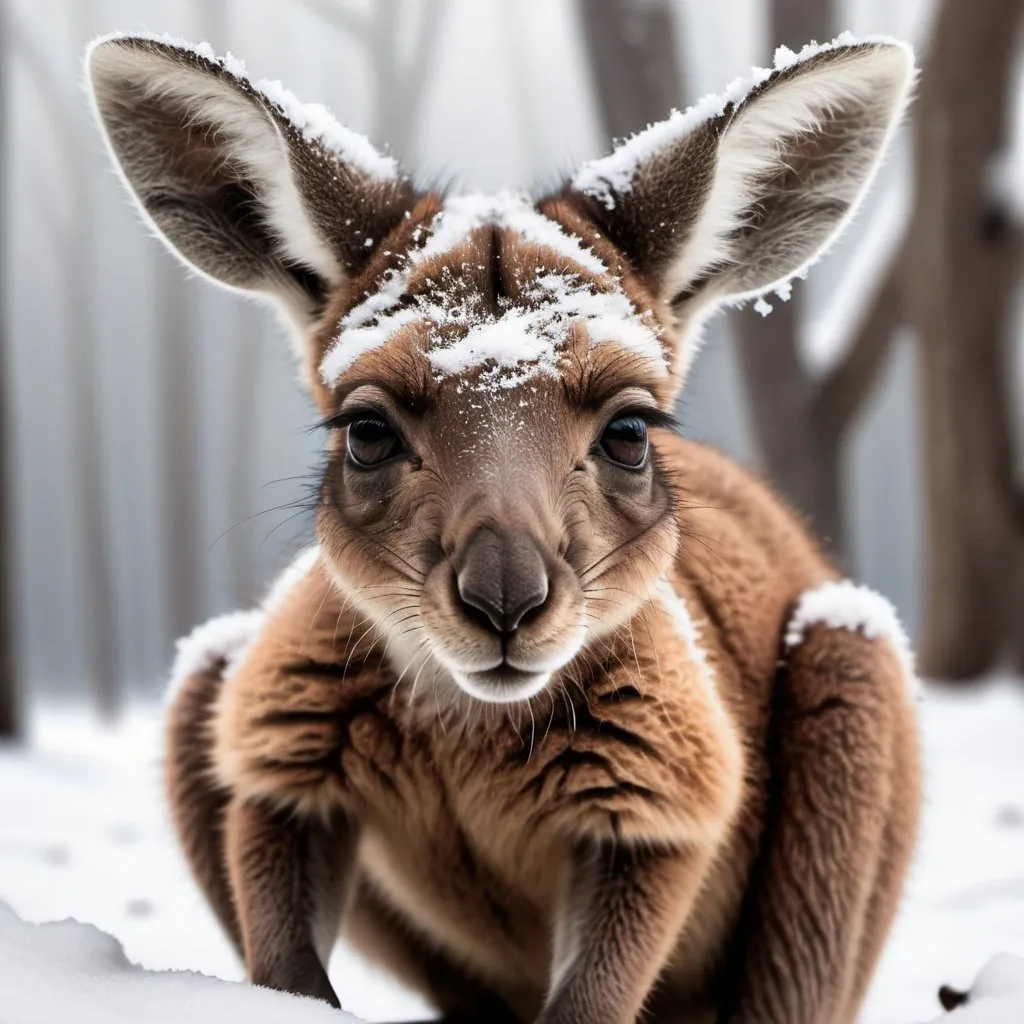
654 418
340 420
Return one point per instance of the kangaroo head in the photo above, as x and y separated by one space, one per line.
494 371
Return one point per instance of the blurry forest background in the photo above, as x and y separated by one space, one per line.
155 450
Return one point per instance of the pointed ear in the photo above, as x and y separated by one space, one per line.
741 192
246 184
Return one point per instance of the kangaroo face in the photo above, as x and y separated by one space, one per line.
493 497
493 371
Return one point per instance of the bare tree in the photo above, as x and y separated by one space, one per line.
72 238
635 67
800 420
8 678
961 276
399 79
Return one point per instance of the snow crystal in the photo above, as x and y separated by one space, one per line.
312 120
844 604
65 970
519 335
613 175
783 290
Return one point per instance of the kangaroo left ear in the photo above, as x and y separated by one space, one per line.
741 192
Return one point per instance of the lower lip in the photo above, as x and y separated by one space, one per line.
503 685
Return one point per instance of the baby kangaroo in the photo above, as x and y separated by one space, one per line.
565 720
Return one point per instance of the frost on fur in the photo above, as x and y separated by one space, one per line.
312 120
750 214
848 605
226 638
523 340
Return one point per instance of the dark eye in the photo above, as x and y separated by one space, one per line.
372 442
625 441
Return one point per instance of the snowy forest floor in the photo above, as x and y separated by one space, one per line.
84 834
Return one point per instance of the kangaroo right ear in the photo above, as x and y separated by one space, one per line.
246 184
743 191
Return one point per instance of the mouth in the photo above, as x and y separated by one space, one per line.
503 684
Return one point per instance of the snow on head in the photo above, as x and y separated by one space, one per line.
525 336
844 604
312 120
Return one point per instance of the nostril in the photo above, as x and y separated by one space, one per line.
482 608
528 607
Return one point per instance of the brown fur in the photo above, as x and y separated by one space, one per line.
685 812
777 833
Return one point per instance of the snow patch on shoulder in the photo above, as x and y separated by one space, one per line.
312 120
65 970
227 638
844 604
222 639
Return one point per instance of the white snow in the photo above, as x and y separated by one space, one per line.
997 995
66 971
313 120
83 833
843 604
224 637
519 336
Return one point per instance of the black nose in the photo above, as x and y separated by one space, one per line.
502 579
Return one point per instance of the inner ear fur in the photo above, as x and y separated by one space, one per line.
737 194
244 183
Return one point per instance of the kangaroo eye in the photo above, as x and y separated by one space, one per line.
625 441
372 442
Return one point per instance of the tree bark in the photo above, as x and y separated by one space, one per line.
635 68
961 277
8 678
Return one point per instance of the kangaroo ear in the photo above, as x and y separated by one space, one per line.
741 192
251 187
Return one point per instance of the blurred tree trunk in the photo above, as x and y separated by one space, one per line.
636 69
800 421
8 678
961 278
399 79
73 238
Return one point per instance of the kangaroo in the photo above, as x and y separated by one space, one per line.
564 719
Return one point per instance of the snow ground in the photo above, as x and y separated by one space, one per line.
84 834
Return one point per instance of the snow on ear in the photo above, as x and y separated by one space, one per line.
744 190
246 184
